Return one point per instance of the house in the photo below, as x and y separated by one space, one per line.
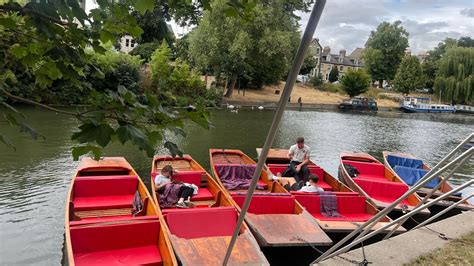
127 43
325 61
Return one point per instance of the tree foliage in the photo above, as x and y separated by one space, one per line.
355 82
384 50
455 76
333 74
258 49
145 50
309 64
409 75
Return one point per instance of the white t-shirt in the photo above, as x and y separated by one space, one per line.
161 179
311 189
299 154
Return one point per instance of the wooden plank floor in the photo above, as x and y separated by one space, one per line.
211 250
287 230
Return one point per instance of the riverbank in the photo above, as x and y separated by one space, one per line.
421 246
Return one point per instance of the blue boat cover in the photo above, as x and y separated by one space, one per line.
412 175
402 161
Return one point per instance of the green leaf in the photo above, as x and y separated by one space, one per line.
25 128
7 22
7 141
107 36
144 5
101 133
81 150
18 51
173 148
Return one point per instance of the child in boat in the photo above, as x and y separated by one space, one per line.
171 190
312 185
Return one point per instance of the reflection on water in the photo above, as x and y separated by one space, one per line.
36 177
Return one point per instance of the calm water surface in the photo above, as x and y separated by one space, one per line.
34 179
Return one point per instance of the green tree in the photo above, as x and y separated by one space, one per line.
145 50
385 49
409 75
333 75
47 42
466 41
160 65
258 50
316 80
355 82
309 64
454 79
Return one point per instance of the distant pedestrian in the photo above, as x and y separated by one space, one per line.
300 103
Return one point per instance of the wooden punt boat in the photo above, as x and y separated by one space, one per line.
378 184
354 208
100 228
274 216
200 235
410 169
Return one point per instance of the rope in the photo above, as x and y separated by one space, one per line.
440 235
364 262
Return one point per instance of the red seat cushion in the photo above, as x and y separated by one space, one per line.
373 177
383 191
366 168
203 194
335 193
148 255
127 217
94 186
127 243
98 203
191 177
268 204
277 168
202 222
262 184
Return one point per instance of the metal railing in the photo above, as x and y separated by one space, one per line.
290 82
437 170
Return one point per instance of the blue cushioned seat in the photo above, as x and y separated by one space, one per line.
402 161
412 175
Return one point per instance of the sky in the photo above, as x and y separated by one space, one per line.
346 24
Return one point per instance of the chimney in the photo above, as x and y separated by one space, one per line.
342 53
327 50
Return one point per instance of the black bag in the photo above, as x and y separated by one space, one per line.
137 204
351 170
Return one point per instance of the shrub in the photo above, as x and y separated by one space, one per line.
330 87
355 82
316 80
145 50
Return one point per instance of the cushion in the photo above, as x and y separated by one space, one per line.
402 161
98 203
93 186
277 168
191 177
379 178
373 169
126 217
203 194
147 255
412 175
88 239
383 191
345 204
335 193
268 204
202 222
262 184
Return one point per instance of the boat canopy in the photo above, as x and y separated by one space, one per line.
412 175
403 161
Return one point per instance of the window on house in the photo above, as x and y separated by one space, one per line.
317 60
317 50
127 42
133 43
341 68
327 76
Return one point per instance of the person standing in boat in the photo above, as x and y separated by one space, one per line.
172 192
299 155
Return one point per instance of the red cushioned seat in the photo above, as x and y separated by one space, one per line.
373 177
148 255
268 204
127 217
202 222
117 244
352 208
99 203
190 177
277 168
383 191
335 193
203 194
262 184
365 168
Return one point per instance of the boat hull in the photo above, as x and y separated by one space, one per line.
407 109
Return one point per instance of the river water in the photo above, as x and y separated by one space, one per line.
35 178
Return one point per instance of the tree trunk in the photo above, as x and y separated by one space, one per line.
381 83
230 90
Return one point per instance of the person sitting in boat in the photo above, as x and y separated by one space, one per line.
311 186
299 155
171 191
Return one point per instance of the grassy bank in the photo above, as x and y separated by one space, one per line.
456 252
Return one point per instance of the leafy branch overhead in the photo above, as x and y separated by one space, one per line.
49 43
